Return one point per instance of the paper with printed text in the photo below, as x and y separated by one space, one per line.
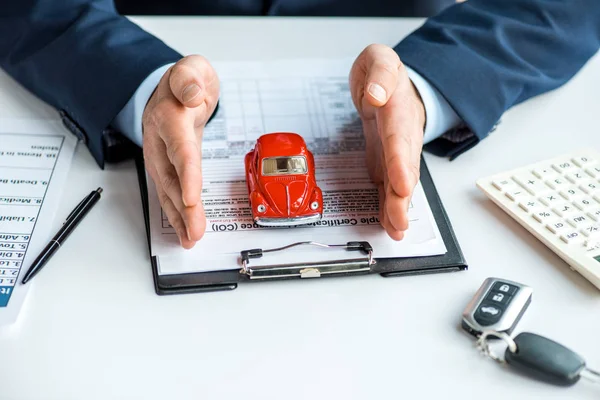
312 98
35 156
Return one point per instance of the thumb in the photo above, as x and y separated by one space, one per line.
383 66
187 80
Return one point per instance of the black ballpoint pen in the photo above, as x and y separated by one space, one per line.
72 221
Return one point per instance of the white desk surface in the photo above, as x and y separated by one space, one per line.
93 328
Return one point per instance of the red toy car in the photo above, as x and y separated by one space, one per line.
280 173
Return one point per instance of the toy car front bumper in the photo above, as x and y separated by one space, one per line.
305 219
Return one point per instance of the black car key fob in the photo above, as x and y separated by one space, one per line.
498 305
545 359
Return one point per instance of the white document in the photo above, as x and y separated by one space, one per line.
312 98
35 156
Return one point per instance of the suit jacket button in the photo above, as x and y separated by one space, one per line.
73 126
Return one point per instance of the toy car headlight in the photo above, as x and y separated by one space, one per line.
314 205
261 208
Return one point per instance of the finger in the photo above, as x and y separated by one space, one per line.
176 129
189 78
168 208
381 194
174 218
357 81
391 229
192 234
193 216
373 151
392 232
163 196
395 235
396 209
383 66
402 141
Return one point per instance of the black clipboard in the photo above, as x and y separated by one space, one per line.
452 261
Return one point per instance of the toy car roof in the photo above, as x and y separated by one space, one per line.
281 144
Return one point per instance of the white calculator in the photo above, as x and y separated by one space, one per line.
558 201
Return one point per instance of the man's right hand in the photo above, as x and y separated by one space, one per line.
173 123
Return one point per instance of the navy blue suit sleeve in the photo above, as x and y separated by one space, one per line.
80 56
485 56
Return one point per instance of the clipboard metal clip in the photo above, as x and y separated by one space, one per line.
311 269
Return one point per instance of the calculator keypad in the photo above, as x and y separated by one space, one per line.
563 196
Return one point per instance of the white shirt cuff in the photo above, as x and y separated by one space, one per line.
129 119
440 115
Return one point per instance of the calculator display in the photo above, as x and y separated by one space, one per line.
597 258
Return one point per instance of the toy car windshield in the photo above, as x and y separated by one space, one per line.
284 166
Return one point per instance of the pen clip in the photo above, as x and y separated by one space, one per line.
76 209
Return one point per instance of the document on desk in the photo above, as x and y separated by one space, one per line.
35 156
312 98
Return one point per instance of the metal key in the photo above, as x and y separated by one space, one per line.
540 358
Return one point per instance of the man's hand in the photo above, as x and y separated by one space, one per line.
393 119
173 123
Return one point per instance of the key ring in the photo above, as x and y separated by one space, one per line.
483 345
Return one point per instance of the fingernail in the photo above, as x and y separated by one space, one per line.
187 230
377 92
190 92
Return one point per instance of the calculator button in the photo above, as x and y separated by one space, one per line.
582 161
531 205
504 184
505 288
488 313
516 194
571 237
551 199
594 213
597 197
592 229
544 216
578 220
557 226
558 183
592 246
594 170
583 203
576 176
564 209
571 192
530 183
589 186
564 166
545 173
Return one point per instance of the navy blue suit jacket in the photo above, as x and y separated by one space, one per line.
484 56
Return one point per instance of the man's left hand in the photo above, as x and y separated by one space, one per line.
393 119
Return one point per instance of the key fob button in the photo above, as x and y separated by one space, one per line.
498 298
488 313
506 288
